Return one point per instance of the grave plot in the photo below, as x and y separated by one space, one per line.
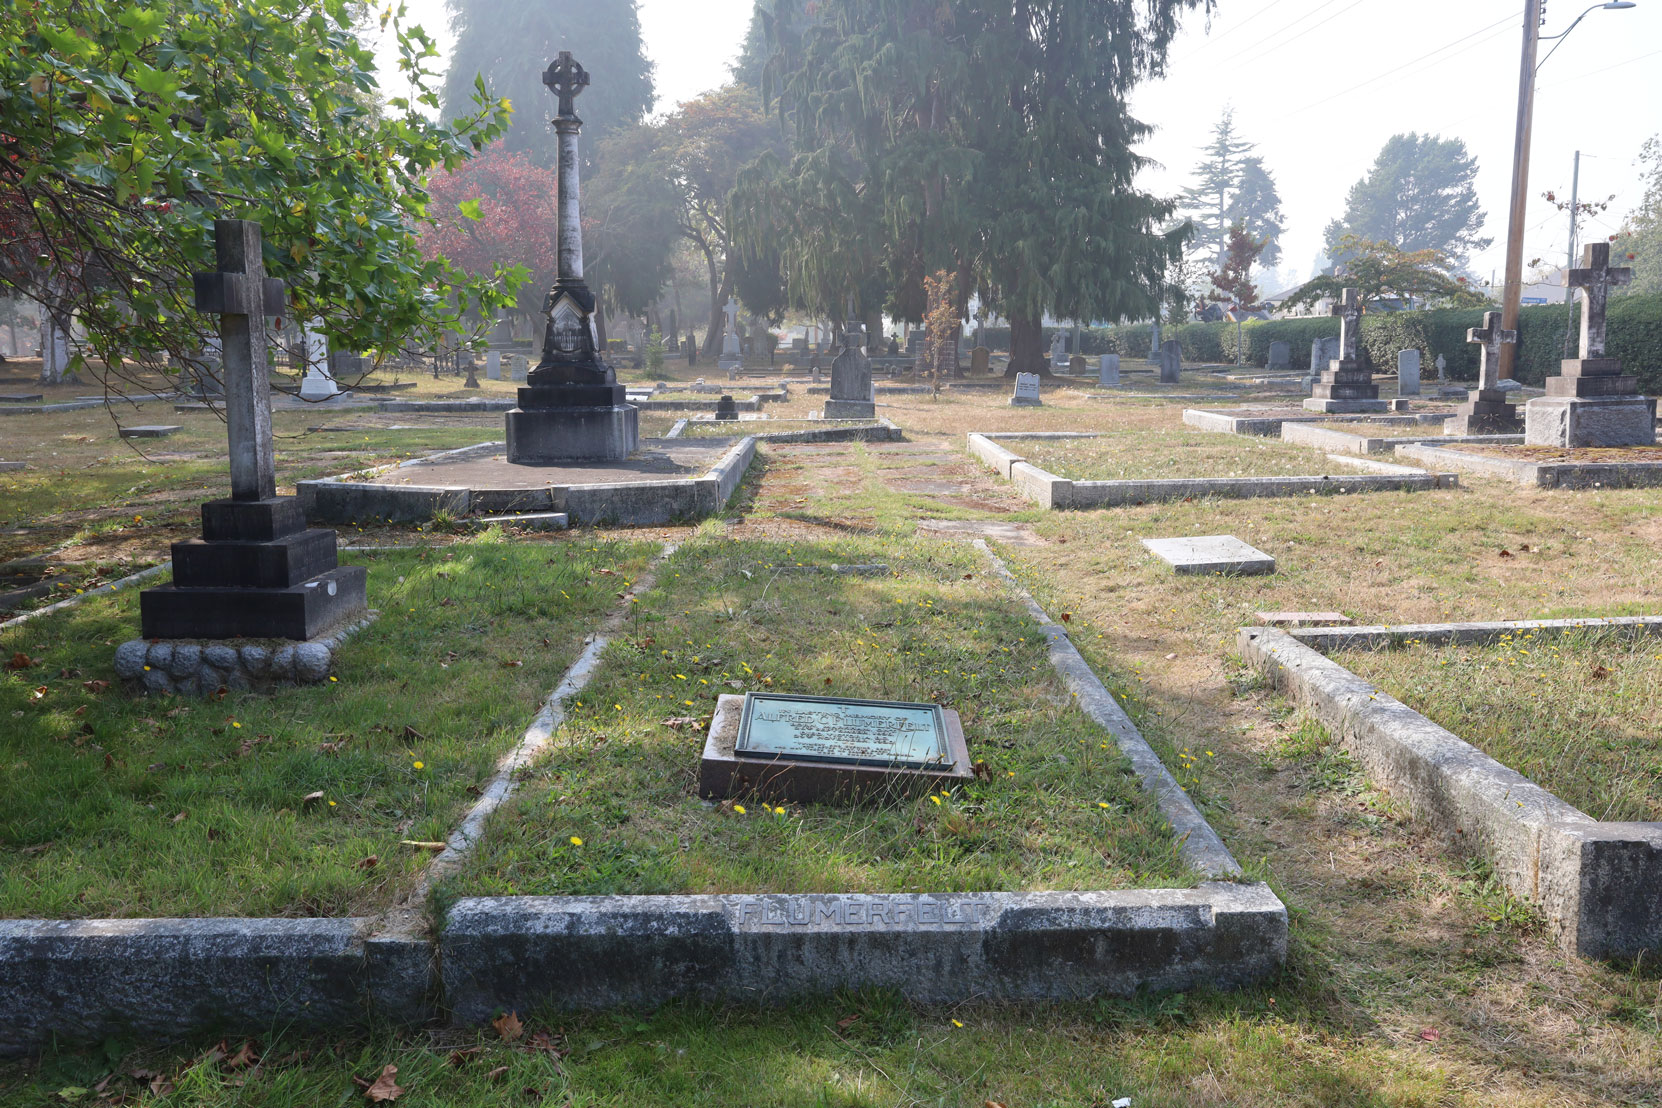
306 802
1051 806
1547 467
1074 470
1558 786
1366 438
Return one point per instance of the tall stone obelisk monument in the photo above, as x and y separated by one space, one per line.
572 408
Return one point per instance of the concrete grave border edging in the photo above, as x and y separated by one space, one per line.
1599 885
1546 475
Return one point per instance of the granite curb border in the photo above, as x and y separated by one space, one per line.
356 497
1050 491
1598 885
1326 438
1545 475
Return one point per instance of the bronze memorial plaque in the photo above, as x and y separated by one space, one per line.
853 732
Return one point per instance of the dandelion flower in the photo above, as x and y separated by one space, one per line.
575 841
739 808
957 1023
935 798
421 765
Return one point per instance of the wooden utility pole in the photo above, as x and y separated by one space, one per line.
1513 294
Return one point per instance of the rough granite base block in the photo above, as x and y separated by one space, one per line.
850 409
557 436
201 667
1590 421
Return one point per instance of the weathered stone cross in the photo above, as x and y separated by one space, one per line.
242 296
1492 338
566 78
1349 311
1595 279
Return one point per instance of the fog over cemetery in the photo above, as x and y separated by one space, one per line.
1061 554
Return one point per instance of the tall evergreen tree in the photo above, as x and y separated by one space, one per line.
1217 179
1420 194
508 43
1256 206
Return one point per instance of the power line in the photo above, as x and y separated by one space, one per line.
1599 70
1447 46
1212 40
1277 31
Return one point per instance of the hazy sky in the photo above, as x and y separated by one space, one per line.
1320 85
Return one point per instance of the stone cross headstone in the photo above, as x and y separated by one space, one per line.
1059 352
242 296
1108 371
1491 336
1171 361
1408 372
493 365
1595 277
1281 355
1349 310
1154 343
1027 390
1442 368
980 359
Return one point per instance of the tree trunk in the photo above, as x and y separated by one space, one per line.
1027 347
718 318
54 348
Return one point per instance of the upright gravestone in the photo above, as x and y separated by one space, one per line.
493 365
981 360
1281 355
1027 391
726 408
571 409
1154 343
1108 371
319 383
519 367
1486 411
1077 365
1059 353
732 359
1442 368
1344 386
1408 372
1171 361
851 391
257 571
1591 402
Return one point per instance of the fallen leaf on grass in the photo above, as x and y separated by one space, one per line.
369 863
180 818
515 664
465 1055
20 660
413 735
312 798
246 1055
95 687
496 1074
675 723
1505 553
992 1104
1066 616
38 848
982 771
508 1025
1598 673
382 1088
1430 1034
848 1021
40 691
543 1041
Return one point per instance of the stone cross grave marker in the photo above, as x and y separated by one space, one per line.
1059 351
242 296
1349 310
1491 336
1595 278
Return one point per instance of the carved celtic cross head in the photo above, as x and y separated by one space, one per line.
566 78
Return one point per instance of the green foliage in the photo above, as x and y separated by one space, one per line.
1641 234
507 44
1218 178
1382 270
655 351
1257 206
131 127
1420 194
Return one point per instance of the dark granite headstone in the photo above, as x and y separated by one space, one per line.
726 408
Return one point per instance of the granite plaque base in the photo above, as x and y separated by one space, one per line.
725 774
561 435
1590 421
850 409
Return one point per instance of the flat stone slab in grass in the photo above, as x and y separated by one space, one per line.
151 431
1302 619
1211 554
21 397
9 467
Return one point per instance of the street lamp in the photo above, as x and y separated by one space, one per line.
1532 38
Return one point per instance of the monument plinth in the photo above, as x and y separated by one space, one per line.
821 748
852 395
571 409
1592 402
1345 386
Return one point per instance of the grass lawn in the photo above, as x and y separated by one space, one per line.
193 807
1580 716
1171 453
614 807
1387 430
718 429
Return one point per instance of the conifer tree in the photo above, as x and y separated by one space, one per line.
1420 194
1207 202
1256 206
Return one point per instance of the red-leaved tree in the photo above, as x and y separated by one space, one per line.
498 208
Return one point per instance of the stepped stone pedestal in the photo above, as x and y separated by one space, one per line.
1344 386
557 424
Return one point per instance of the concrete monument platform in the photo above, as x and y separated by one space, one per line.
1211 554
667 479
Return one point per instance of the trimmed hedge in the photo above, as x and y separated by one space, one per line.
1633 334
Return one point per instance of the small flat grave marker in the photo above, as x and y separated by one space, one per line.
150 431
1211 554
818 748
